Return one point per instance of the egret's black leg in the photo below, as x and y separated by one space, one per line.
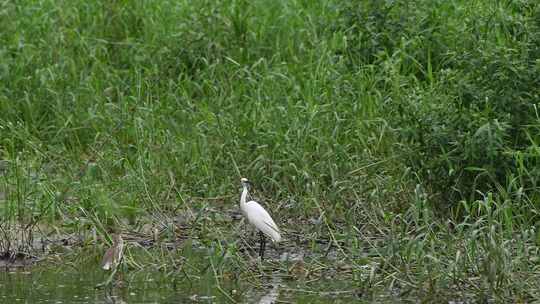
263 245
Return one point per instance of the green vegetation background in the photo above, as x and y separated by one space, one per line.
411 120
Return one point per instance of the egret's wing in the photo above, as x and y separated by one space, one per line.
259 218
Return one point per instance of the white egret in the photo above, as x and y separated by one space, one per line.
258 217
113 255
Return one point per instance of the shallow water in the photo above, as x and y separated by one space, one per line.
61 279
68 285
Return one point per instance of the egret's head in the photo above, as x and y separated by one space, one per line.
244 181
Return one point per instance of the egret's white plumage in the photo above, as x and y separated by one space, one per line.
257 216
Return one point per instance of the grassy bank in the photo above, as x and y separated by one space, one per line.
400 137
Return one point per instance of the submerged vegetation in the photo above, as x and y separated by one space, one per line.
396 143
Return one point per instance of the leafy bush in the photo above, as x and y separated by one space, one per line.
462 86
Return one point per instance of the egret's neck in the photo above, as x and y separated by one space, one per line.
243 197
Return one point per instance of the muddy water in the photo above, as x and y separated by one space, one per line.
68 285
74 281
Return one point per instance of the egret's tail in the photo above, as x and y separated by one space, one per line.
272 233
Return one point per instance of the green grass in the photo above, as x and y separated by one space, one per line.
402 134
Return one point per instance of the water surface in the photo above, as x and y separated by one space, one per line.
65 284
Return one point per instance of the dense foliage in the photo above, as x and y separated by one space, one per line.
462 85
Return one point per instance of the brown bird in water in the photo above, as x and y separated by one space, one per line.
113 255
